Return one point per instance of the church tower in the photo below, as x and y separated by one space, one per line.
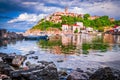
66 9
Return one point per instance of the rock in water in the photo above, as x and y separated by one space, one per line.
48 72
30 52
106 73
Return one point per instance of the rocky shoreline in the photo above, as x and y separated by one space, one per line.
11 68
5 35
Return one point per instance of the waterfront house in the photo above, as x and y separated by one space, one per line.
65 27
118 28
71 29
80 24
76 27
114 30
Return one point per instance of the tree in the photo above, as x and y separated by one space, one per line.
76 30
86 16
87 23
105 20
117 22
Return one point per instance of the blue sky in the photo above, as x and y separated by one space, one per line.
20 15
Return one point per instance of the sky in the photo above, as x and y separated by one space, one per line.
20 15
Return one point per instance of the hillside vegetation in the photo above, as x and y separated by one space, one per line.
98 23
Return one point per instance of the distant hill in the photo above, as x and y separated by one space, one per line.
58 18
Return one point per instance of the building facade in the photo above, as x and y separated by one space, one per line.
72 28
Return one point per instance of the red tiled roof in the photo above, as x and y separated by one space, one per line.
75 25
115 26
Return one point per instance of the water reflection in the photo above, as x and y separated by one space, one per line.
113 40
6 42
81 43
72 44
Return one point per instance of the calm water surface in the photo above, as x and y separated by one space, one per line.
57 53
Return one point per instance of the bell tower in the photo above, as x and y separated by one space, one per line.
66 9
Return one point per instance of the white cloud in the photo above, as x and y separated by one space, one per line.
77 10
27 18
48 10
107 8
95 8
30 3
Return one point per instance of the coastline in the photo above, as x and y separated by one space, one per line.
71 64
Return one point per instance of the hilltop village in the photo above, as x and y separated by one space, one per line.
70 23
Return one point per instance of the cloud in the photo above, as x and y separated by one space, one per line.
29 12
106 8
30 3
96 7
25 17
77 10
93 7
48 10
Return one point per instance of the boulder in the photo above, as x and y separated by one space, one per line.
48 72
78 74
33 57
8 59
1 56
62 74
106 73
29 65
4 77
14 60
18 60
30 52
75 75
5 68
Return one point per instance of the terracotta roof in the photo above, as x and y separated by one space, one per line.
75 25
115 26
